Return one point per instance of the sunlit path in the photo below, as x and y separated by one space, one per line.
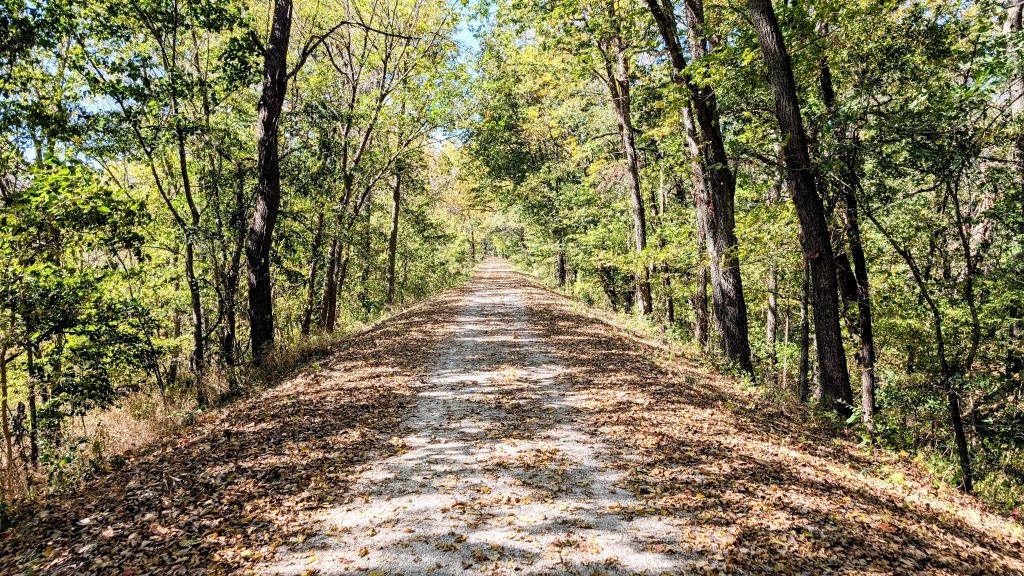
494 472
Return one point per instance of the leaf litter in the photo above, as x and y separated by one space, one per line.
498 429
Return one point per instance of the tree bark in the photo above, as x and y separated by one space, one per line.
396 201
715 197
834 387
617 70
865 332
268 188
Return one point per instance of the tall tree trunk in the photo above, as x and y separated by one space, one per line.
314 270
617 70
700 295
195 296
716 194
771 320
666 280
396 202
329 303
268 188
198 337
8 439
1012 27
850 184
366 253
866 356
834 388
959 438
33 427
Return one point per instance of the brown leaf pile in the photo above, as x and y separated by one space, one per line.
748 487
224 496
756 490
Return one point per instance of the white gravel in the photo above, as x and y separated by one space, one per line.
495 474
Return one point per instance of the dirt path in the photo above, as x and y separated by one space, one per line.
496 429
495 471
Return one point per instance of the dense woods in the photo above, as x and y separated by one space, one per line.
824 198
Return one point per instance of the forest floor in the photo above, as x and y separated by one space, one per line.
498 429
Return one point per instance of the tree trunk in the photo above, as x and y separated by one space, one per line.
771 321
396 200
314 270
8 440
33 428
803 378
329 303
365 255
850 184
268 188
700 296
866 356
666 280
834 386
1012 27
617 70
960 439
198 336
560 264
715 196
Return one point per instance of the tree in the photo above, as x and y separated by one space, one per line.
834 391
714 184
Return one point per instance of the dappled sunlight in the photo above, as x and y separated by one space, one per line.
492 473
496 429
754 488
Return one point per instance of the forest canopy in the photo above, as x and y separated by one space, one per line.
825 199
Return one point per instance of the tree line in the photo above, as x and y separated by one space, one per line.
834 190
193 193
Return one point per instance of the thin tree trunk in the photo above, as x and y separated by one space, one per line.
866 356
396 201
329 303
617 70
8 441
1012 27
198 336
834 386
560 273
715 196
865 332
700 296
666 280
960 439
803 368
947 371
771 321
33 428
366 252
268 188
314 270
